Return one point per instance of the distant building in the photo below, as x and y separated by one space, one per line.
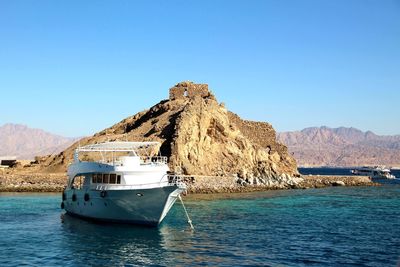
8 161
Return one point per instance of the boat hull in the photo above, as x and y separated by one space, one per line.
386 180
135 206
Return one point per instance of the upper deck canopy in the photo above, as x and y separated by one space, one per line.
118 147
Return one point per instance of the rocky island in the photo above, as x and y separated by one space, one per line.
213 147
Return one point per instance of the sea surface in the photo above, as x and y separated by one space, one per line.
337 226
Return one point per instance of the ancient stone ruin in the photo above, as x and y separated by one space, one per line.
261 133
188 89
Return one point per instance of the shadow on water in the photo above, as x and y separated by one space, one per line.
116 244
110 243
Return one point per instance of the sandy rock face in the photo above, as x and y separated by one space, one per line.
207 142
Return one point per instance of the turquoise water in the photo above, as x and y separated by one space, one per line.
318 227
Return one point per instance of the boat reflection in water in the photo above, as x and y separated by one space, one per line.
112 244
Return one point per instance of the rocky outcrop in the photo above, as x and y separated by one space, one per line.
207 142
200 137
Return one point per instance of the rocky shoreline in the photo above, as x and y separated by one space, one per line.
202 185
320 181
32 182
55 182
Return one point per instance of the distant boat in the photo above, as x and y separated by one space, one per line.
377 172
128 187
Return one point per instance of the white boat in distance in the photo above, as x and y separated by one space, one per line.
131 186
377 172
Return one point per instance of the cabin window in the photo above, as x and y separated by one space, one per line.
106 178
113 178
94 178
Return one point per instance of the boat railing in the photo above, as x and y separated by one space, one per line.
143 161
178 180
171 181
154 160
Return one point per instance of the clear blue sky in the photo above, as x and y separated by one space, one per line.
76 67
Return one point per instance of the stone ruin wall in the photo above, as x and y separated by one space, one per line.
260 133
198 90
177 93
188 90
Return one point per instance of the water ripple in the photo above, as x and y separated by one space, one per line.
335 227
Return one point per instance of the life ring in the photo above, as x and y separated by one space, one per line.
62 205
103 194
64 196
74 197
86 197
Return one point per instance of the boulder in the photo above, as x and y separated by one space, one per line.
338 183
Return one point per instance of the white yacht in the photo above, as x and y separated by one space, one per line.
377 172
127 185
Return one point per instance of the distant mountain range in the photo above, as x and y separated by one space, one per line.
315 146
324 146
26 143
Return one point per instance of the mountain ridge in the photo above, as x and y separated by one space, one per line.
25 143
342 146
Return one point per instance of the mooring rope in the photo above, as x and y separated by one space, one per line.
187 215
